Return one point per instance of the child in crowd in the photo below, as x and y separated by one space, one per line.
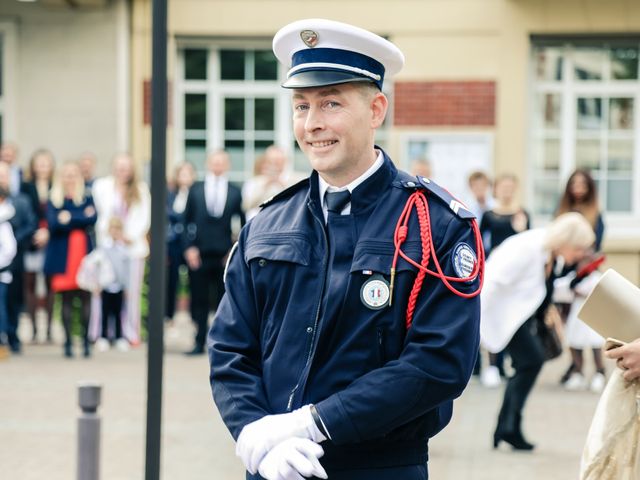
112 294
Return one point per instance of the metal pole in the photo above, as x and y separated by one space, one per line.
157 269
89 432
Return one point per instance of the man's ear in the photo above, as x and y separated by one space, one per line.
379 106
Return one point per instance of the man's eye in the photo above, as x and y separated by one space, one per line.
301 108
332 105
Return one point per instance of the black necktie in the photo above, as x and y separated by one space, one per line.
336 201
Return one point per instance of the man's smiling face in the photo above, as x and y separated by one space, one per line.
334 126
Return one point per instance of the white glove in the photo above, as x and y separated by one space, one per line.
293 459
257 438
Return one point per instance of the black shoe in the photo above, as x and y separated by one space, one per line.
67 350
516 440
195 351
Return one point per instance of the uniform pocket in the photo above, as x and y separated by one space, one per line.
377 256
292 247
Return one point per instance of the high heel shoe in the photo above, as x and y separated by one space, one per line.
516 440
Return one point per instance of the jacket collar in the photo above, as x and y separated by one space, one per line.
365 194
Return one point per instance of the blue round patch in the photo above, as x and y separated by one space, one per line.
464 260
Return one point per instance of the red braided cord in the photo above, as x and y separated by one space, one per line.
419 200
425 238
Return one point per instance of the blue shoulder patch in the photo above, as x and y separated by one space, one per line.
410 182
286 193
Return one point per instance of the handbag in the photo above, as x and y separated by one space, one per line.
549 331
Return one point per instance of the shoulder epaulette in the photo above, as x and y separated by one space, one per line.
410 182
287 192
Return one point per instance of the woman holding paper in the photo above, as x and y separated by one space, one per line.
517 291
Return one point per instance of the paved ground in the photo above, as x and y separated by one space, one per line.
38 411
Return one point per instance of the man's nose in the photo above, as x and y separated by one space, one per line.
314 120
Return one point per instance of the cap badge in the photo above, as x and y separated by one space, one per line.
309 37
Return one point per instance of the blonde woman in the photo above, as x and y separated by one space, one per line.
70 218
124 196
518 287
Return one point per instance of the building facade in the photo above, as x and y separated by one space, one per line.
532 87
65 77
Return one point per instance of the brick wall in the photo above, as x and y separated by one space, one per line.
459 103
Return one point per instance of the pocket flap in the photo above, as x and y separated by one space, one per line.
281 246
377 256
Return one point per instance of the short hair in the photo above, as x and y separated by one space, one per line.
571 230
478 175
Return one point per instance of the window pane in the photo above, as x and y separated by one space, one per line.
195 64
232 64
234 113
549 110
546 154
588 63
265 114
195 152
621 114
619 195
624 63
195 111
620 156
588 154
546 193
235 149
589 113
266 65
548 64
551 159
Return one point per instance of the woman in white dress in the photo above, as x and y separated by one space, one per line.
122 195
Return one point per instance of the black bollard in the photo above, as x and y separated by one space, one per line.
89 431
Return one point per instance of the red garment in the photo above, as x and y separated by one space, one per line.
76 251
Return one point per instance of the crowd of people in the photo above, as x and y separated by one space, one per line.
64 232
532 273
61 216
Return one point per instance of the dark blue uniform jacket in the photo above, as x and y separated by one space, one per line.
58 246
292 328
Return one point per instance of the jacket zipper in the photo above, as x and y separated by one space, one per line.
317 319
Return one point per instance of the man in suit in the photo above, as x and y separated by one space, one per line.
24 224
211 205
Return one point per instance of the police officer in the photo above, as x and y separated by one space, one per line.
329 342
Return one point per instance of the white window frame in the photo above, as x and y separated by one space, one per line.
9 97
216 91
617 224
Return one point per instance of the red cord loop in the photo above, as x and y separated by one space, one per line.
418 200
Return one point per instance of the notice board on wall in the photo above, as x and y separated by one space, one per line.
453 157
